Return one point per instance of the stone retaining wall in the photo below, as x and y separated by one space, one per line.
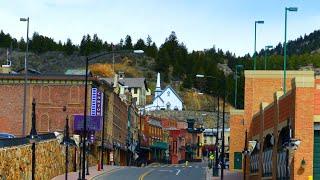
15 162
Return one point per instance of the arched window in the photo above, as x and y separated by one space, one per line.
74 95
267 155
284 137
43 125
168 105
45 94
254 159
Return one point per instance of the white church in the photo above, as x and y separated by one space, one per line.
166 99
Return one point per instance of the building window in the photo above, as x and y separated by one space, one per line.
74 95
43 124
135 90
267 156
45 94
168 93
254 160
168 105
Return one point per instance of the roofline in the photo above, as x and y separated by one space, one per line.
46 77
172 91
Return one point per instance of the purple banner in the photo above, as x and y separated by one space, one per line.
94 123
96 102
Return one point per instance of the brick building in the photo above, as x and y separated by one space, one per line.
271 119
118 114
51 93
157 146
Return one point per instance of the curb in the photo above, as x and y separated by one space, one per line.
107 172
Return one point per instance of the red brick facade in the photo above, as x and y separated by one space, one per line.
51 94
268 114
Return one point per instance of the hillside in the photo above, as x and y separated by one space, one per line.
133 66
172 59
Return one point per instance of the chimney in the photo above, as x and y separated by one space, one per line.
121 75
115 81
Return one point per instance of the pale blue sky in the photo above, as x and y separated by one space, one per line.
200 24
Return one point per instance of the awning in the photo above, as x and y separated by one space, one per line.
160 145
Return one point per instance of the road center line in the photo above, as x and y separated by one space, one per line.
178 172
145 174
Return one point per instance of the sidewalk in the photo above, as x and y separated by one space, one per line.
227 175
92 170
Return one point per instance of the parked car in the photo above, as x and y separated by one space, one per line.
6 136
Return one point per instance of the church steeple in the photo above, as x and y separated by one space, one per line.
158 87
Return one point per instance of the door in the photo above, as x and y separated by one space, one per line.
316 156
237 160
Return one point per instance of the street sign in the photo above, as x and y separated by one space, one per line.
96 102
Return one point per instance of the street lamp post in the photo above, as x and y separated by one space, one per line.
266 48
245 155
25 79
215 169
215 172
88 59
103 125
67 141
223 121
239 66
293 9
255 42
33 138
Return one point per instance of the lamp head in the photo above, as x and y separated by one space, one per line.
269 47
259 22
24 19
294 9
139 51
200 76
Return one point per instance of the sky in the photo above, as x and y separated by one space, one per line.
199 24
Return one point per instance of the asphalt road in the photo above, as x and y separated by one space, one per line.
194 171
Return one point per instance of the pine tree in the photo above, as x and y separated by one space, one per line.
128 43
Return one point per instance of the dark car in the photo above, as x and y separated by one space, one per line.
6 136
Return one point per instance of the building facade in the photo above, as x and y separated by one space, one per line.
282 129
137 87
166 99
51 92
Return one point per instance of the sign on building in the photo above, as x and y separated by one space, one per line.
96 102
93 123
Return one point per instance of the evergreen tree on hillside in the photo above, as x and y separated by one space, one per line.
5 40
22 44
140 45
68 48
149 40
172 54
128 43
151 50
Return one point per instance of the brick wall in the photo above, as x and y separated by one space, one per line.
260 86
120 119
50 98
303 127
260 92
237 134
295 108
